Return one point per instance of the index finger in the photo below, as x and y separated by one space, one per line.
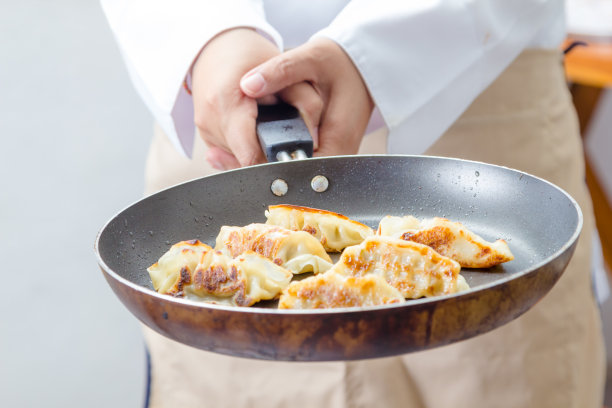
240 136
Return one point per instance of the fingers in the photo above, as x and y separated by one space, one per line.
221 159
343 125
231 139
310 105
230 135
223 115
238 130
240 136
267 100
280 72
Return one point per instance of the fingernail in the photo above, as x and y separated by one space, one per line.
253 83
315 138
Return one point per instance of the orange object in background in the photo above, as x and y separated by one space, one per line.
588 70
589 64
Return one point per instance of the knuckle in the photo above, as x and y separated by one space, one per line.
285 68
314 107
199 119
316 53
207 137
250 159
204 112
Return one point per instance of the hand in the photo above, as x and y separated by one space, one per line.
346 103
223 114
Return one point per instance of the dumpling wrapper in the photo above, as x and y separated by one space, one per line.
235 240
176 265
448 238
240 281
332 290
334 231
414 269
297 251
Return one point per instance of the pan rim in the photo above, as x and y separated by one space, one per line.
344 310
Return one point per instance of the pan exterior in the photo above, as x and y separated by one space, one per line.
344 335
540 222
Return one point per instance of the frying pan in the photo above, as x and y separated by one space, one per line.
540 222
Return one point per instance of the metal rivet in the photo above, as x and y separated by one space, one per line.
279 187
319 184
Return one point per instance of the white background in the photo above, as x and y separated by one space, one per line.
73 141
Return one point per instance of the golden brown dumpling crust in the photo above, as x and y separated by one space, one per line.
414 269
331 290
218 278
240 239
219 281
334 231
313 211
450 239
173 270
297 251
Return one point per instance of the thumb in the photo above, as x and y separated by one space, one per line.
278 73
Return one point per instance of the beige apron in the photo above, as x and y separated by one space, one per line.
552 356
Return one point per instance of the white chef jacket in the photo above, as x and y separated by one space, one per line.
423 61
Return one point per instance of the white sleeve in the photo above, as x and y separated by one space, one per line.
160 39
424 62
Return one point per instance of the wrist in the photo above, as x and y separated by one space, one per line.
227 38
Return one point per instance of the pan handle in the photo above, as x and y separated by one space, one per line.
282 133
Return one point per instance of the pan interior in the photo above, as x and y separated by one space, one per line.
536 218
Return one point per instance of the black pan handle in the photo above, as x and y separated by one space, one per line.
282 133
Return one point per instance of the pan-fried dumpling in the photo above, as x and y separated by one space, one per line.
235 240
330 290
414 269
171 271
448 238
391 226
297 251
240 281
333 230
